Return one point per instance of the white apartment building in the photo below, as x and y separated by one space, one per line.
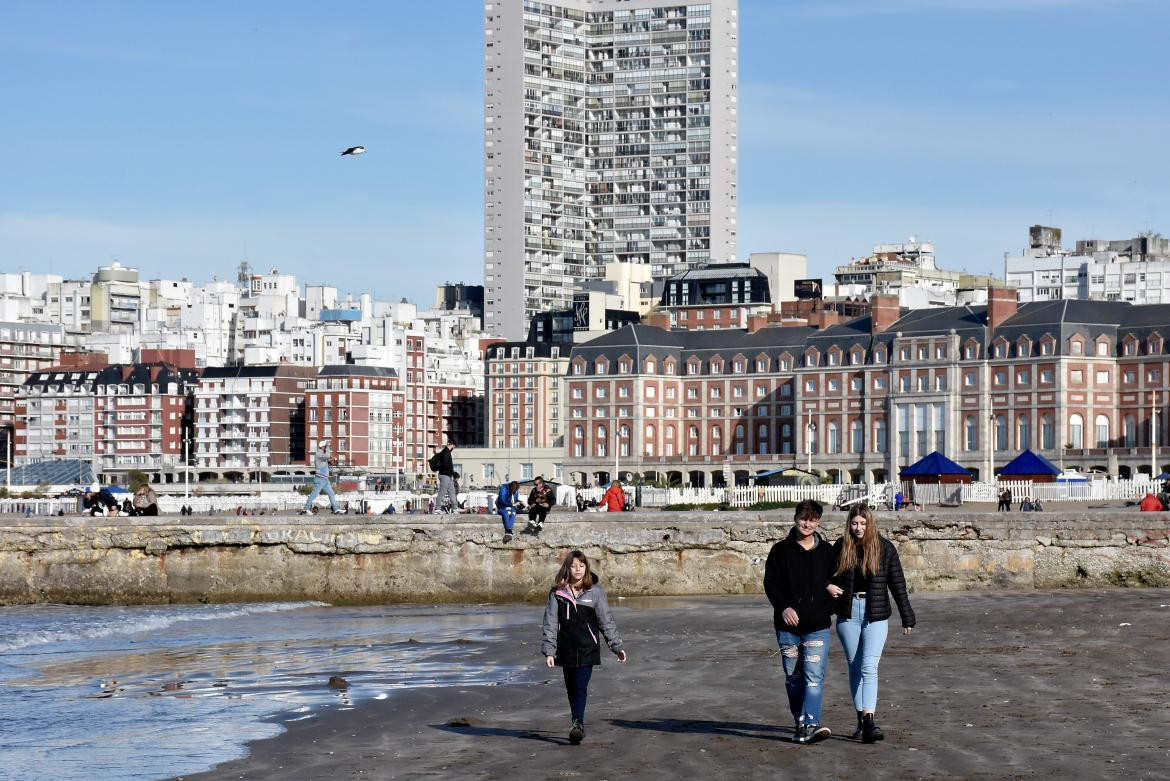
610 133
1135 270
908 270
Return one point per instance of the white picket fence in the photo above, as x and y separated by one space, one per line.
67 505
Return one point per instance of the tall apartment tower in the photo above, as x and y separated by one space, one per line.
610 133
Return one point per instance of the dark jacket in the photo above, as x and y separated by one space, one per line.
888 578
541 497
797 578
572 626
443 464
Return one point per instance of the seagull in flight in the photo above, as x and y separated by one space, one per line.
354 150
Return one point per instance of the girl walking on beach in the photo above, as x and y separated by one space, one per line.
868 571
577 610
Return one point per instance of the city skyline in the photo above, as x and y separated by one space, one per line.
172 140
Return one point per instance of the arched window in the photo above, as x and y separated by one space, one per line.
650 366
624 431
879 437
693 432
1024 432
1047 433
650 431
739 431
602 441
834 442
1076 431
858 437
762 438
1130 431
1101 429
670 432
1001 438
971 432
717 432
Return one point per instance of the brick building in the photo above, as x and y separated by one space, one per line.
250 420
359 411
525 402
1084 384
119 418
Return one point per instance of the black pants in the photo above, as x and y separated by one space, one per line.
536 515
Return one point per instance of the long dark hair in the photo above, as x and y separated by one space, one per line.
563 574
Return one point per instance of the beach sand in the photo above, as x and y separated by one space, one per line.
991 685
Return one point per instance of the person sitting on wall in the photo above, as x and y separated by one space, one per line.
145 502
97 501
614 500
1151 504
540 501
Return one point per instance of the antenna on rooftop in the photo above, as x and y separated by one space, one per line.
245 272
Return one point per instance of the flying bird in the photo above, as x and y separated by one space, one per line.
354 150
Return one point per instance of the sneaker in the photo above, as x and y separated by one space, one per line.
339 512
871 732
815 733
306 512
507 536
577 733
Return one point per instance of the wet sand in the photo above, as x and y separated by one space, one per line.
991 685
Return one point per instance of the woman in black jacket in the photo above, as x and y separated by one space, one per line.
867 566
577 611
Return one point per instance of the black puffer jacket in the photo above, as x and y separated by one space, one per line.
888 578
573 623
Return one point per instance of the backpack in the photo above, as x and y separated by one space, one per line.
433 462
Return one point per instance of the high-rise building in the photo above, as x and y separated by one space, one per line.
610 133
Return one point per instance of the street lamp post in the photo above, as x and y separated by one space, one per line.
992 441
1154 435
810 428
187 467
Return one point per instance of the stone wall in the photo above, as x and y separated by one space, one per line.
436 559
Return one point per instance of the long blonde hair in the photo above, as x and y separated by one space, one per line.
871 549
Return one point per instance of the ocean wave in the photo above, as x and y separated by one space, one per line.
132 623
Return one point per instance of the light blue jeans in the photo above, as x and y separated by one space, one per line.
863 642
321 484
804 657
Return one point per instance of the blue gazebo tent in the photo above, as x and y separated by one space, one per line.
936 468
1030 466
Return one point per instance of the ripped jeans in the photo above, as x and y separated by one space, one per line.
805 657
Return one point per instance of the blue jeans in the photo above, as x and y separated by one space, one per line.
508 515
577 687
805 657
863 642
320 484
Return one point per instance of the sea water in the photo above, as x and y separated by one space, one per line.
157 692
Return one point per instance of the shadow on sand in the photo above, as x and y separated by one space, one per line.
502 732
738 729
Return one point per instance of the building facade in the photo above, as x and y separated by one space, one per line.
250 420
1083 384
525 396
610 133
359 411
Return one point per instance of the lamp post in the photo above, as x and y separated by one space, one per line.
187 466
992 441
810 429
1154 435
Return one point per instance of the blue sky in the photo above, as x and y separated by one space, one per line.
183 138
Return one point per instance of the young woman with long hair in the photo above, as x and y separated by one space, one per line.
868 571
576 612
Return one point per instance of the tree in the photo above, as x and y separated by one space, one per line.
137 478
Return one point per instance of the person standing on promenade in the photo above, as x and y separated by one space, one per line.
507 502
577 610
322 461
614 499
446 499
795 580
867 568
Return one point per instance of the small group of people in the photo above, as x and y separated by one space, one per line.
808 581
97 501
1005 501
540 503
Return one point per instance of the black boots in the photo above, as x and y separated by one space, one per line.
860 728
870 732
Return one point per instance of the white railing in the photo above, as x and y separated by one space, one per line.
68 506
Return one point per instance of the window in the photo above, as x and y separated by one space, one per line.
1102 348
1000 378
1023 377
1130 431
1024 432
1076 431
879 383
857 384
1129 378
971 432
904 383
940 382
970 352
1076 375
858 436
810 386
1101 429
923 382
1102 377
834 385
1047 433
879 436
650 391
1078 347
834 437
1001 438
1153 375
1046 376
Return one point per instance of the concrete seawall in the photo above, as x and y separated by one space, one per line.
437 559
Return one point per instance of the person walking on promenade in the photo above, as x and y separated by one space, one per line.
577 610
867 568
614 499
507 502
540 501
322 461
795 580
446 499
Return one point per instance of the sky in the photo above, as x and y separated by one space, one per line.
181 139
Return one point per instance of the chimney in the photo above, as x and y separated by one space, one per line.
884 311
1001 304
756 322
657 320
